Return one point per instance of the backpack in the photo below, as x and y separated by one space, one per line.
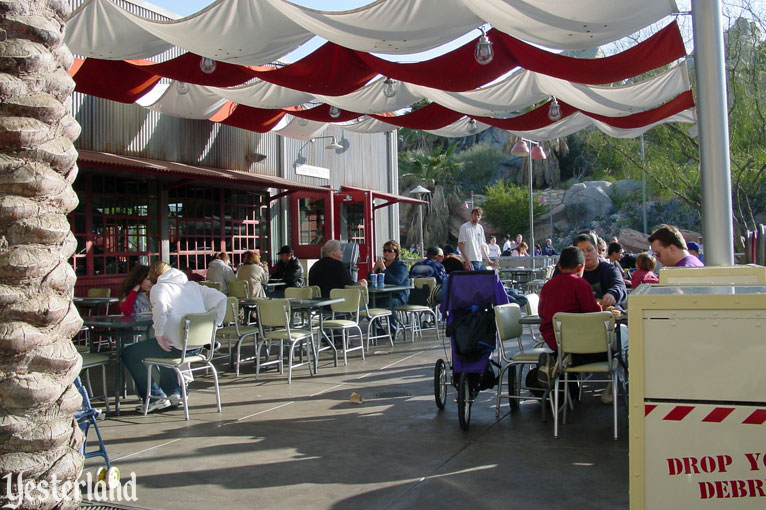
474 333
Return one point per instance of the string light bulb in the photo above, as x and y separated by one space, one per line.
334 112
554 110
389 88
472 126
182 87
207 65
483 53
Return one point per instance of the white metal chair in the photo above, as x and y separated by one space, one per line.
584 333
411 314
533 300
375 317
198 331
233 329
274 324
349 306
213 285
91 360
508 328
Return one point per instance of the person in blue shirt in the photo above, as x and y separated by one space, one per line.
431 266
548 248
395 271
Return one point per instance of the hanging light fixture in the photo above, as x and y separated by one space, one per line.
538 152
182 87
520 149
334 112
472 126
554 110
333 145
302 121
207 65
483 52
389 88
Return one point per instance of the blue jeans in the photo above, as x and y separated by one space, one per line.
478 265
133 356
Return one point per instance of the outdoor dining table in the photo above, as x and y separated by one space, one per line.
92 304
123 325
307 305
387 288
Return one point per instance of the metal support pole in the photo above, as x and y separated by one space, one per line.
550 210
712 114
643 185
531 212
420 221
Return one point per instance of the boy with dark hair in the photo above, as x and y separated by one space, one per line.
567 291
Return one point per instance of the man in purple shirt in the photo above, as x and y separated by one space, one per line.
670 249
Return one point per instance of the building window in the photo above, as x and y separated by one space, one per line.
115 224
352 219
205 220
311 221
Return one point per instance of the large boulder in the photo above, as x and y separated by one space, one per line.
588 199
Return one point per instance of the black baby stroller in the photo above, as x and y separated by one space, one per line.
467 306
86 417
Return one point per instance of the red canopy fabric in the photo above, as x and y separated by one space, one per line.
112 79
253 119
333 70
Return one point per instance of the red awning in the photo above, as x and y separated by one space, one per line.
390 199
171 169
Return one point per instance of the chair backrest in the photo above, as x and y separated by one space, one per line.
232 306
239 289
532 301
549 272
583 333
213 285
273 313
316 290
364 294
429 282
198 329
350 303
99 292
299 292
507 321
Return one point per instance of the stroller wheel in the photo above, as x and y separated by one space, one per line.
111 476
440 383
513 391
464 400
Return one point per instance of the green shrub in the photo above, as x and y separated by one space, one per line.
507 207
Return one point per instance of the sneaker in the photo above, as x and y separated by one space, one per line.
175 400
547 369
606 394
154 405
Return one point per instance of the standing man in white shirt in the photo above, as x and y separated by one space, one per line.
470 241
493 249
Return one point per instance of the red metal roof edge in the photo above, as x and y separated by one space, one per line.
385 196
158 167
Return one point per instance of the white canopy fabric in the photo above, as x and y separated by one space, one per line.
299 129
515 93
256 32
564 127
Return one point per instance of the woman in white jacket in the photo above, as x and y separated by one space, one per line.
172 296
220 271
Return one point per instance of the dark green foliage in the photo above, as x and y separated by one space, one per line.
507 207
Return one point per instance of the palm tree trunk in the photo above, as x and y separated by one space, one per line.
39 438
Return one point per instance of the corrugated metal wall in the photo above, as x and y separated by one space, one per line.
128 129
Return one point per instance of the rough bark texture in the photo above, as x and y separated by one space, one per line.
38 363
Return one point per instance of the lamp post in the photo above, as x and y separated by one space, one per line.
420 192
521 149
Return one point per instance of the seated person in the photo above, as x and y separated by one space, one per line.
220 271
567 291
329 272
172 296
431 266
134 291
669 246
289 269
255 273
644 273
395 271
